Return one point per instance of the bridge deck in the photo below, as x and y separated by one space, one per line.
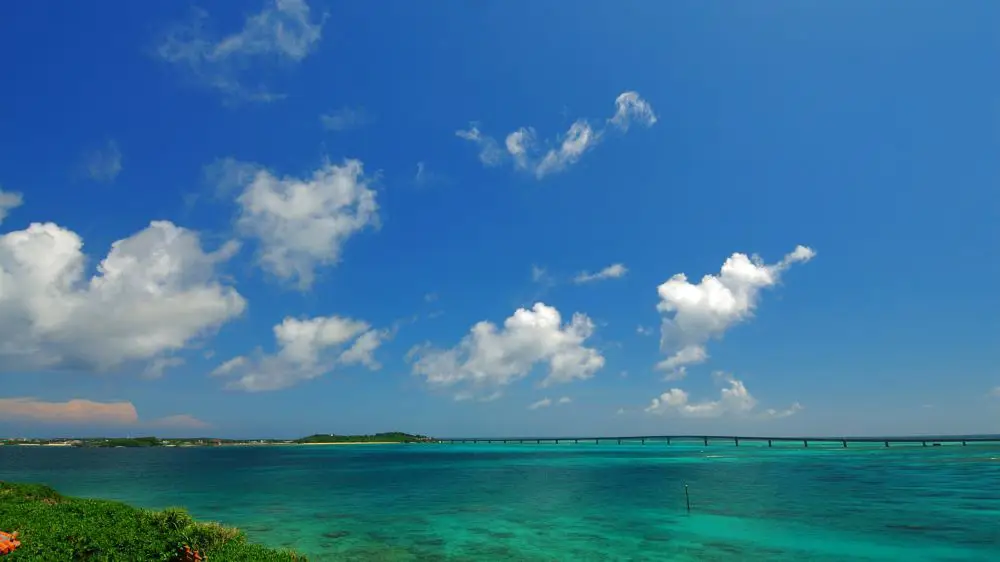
708 439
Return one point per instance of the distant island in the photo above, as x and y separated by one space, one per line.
133 442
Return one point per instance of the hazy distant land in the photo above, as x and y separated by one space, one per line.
316 439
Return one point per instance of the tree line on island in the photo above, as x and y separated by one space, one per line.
149 441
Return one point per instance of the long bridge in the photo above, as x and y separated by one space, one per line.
705 440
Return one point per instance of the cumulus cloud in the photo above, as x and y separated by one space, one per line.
694 314
283 31
79 411
490 358
307 348
526 153
9 200
613 271
154 293
300 224
735 400
345 119
105 163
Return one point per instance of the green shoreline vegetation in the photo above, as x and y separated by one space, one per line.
131 442
56 527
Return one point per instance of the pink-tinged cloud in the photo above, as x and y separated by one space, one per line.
180 421
72 411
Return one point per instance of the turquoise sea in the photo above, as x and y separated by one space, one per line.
562 502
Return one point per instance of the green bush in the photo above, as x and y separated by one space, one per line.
58 528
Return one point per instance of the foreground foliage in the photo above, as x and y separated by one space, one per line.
54 527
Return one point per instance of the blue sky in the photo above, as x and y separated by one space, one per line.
314 207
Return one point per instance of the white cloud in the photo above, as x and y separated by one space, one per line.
490 358
9 200
644 330
345 119
996 391
307 348
524 151
302 224
154 293
543 403
105 163
565 400
613 271
735 400
282 31
489 151
628 107
694 314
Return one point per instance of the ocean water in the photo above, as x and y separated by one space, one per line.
562 502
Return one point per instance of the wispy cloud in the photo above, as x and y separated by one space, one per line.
489 151
103 164
9 200
522 148
546 402
283 30
613 271
346 119
543 403
157 366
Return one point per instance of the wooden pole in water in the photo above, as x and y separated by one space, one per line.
687 498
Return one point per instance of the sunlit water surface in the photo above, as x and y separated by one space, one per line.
561 502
